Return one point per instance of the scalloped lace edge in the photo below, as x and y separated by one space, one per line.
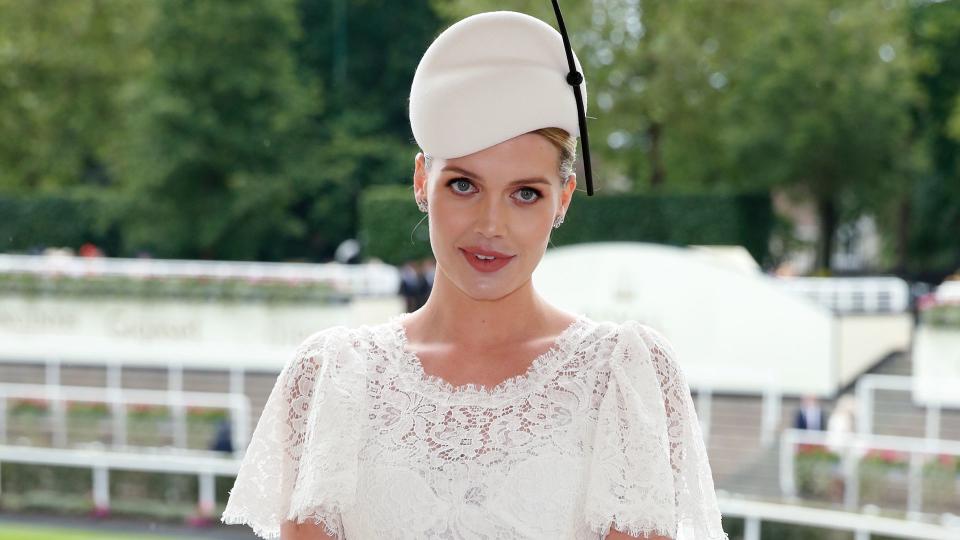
642 528
271 532
506 387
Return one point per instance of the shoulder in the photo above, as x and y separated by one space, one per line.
320 351
655 342
651 348
344 348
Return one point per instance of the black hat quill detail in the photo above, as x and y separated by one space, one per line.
574 79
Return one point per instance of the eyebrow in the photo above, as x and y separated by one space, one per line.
534 180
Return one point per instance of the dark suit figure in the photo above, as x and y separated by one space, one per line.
810 415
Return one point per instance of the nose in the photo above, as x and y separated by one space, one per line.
490 221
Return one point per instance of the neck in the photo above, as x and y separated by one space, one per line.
453 316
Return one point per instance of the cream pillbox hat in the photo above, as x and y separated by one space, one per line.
494 76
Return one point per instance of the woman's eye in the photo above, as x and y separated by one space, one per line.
529 199
460 183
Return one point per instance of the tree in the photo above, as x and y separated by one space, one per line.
819 106
929 217
364 54
66 68
222 140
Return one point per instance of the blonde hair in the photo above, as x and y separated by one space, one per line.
566 144
560 139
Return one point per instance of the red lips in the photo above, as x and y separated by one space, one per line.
486 266
486 252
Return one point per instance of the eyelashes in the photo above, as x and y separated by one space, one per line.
536 191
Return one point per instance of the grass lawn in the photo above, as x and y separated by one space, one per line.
32 532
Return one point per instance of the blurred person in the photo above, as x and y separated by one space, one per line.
488 412
410 286
842 423
427 273
809 415
840 427
223 439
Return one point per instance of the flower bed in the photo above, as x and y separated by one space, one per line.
815 469
192 287
147 425
69 490
941 316
883 477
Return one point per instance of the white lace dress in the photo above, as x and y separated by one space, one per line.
599 433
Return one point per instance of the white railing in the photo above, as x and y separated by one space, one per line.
860 295
863 525
205 464
118 399
370 279
854 446
865 391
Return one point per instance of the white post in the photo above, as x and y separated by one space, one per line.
56 405
237 380
114 384
851 480
175 387
788 485
101 488
119 413
208 496
3 418
915 485
864 394
239 412
771 415
114 377
932 428
239 422
752 529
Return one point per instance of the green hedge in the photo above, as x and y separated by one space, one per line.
389 221
941 316
232 289
45 220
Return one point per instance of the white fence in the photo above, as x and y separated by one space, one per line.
859 295
863 525
118 399
207 466
855 446
370 279
866 389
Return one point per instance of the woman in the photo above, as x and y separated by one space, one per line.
488 412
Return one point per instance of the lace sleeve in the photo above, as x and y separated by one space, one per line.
650 473
297 465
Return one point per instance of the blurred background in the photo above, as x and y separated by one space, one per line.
188 189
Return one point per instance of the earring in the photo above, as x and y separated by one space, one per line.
422 205
557 221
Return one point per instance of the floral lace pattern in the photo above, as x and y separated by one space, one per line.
599 433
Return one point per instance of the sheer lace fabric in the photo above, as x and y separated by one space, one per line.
600 433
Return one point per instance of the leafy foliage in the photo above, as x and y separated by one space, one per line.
393 230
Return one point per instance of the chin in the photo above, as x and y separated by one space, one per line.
479 287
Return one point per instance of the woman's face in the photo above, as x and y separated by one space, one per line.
503 199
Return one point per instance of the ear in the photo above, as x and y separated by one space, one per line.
566 196
419 178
